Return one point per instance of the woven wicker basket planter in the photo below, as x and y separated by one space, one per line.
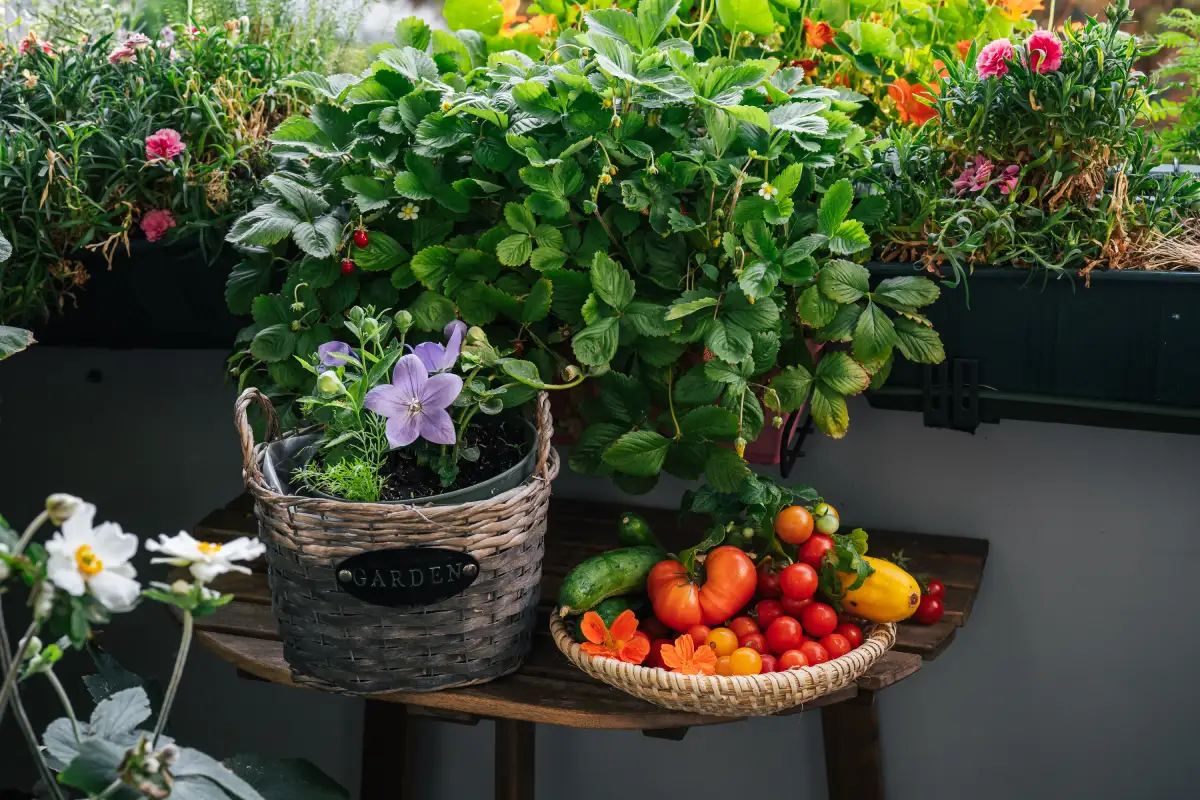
735 696
339 642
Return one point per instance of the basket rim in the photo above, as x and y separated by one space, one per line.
881 638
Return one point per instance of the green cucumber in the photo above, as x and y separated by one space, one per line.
610 609
610 574
634 531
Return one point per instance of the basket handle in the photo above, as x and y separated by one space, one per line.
241 418
545 430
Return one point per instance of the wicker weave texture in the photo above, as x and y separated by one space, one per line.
733 696
338 642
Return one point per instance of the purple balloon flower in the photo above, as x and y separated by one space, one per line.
415 403
437 358
329 358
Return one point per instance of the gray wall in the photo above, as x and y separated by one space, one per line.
1074 676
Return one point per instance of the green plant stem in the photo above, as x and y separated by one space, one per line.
23 719
27 536
66 702
671 402
176 675
110 790
10 677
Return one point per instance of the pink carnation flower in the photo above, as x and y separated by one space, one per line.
993 59
975 176
156 223
1008 178
122 55
164 143
1045 51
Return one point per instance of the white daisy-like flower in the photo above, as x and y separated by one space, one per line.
409 211
205 560
94 559
767 191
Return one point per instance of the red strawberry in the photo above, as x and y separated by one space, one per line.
708 356
347 267
361 239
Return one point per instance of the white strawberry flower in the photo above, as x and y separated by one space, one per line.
205 560
767 191
409 211
86 559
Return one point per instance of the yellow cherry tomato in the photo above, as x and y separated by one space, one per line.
723 641
724 666
745 661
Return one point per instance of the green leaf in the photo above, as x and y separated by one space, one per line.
792 385
519 218
369 193
787 180
548 206
320 238
287 778
682 308
870 209
730 343
850 237
247 280
649 319
918 343
652 19
597 343
829 411
695 388
273 343
835 205
841 329
432 265
514 250
907 291
525 372
431 311
843 281
800 117
874 335
734 375
587 453
381 253
710 422
408 185
412 32
307 202
842 374
412 63
686 457
724 469
759 279
615 22
638 453
759 316
265 225
545 258
537 303
612 282
816 310
659 352
746 15
752 115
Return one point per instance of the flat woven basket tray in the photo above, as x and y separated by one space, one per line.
732 696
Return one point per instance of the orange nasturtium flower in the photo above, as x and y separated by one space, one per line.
620 641
687 659
515 23
1017 10
964 47
910 108
817 34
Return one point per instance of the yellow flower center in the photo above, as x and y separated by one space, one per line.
86 561
208 548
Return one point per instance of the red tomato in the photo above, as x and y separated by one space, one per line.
655 657
814 550
654 629
852 632
755 641
814 652
935 588
768 580
743 626
783 635
769 663
819 620
793 659
729 583
794 608
699 634
929 611
767 612
798 581
836 645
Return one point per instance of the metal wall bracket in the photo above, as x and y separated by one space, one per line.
951 394
789 451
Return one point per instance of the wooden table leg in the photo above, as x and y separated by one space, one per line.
386 754
514 760
853 766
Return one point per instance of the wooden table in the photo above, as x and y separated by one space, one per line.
549 690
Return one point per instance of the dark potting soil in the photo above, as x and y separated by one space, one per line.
502 444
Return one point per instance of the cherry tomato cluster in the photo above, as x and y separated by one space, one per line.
932 605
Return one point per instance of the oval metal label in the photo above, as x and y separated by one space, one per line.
410 576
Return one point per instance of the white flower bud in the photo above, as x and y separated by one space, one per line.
45 602
329 383
181 587
151 765
169 755
244 21
30 647
61 507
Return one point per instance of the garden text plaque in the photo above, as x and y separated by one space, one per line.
413 576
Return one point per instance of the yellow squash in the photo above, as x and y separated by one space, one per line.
889 595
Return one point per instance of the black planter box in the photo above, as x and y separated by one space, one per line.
1124 352
157 296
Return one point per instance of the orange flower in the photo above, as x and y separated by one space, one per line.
808 65
1017 10
939 67
511 17
910 108
964 47
620 641
685 658
841 79
515 23
542 24
817 34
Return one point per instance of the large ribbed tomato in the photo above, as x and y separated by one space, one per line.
728 584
